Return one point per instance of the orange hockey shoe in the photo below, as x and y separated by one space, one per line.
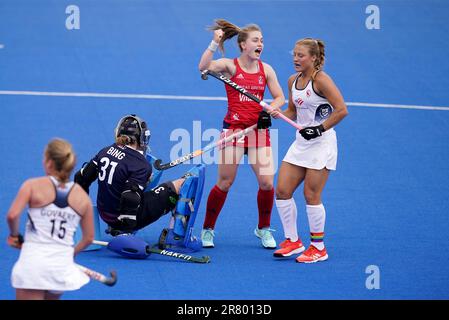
289 248
312 254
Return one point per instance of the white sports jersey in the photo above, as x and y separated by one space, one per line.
54 223
46 260
311 108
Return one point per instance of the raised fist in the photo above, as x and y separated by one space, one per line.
218 34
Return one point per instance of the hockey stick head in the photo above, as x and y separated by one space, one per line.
204 74
99 276
157 164
112 280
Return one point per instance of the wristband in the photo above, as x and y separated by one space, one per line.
213 46
322 128
18 236
15 241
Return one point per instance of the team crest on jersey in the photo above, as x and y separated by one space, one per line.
308 93
260 80
323 111
235 116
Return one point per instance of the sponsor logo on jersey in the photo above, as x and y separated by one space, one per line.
308 93
260 80
240 76
299 101
244 98
235 116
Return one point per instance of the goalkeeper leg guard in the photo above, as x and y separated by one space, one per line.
186 210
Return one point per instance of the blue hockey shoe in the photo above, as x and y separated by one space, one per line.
207 237
265 235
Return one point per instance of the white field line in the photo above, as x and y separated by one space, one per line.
198 98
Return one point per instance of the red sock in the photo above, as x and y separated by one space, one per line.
265 201
215 202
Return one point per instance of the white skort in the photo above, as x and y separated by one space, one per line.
316 153
47 267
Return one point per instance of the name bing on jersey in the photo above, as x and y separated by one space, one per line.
116 153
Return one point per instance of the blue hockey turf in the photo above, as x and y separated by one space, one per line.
387 204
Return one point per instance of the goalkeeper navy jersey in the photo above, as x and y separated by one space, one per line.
118 165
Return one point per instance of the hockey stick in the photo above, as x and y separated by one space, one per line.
149 250
232 84
109 281
164 166
183 256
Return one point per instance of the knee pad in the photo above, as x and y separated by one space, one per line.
189 202
130 200
167 191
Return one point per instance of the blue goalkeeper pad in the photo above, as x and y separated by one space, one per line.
189 202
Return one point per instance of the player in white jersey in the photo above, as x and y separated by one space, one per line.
46 267
317 105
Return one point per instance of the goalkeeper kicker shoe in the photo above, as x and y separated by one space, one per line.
207 237
266 237
312 255
289 248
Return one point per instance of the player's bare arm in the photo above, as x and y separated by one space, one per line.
327 88
274 87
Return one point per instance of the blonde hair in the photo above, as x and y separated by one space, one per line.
316 48
61 153
230 30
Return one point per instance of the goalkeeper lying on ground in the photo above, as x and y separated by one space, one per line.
123 200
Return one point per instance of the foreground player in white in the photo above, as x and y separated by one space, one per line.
46 268
317 105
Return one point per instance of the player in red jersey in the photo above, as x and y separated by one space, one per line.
250 72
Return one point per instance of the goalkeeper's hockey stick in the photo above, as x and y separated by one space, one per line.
164 166
165 252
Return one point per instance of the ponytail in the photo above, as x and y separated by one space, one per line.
319 62
230 30
61 153
123 140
